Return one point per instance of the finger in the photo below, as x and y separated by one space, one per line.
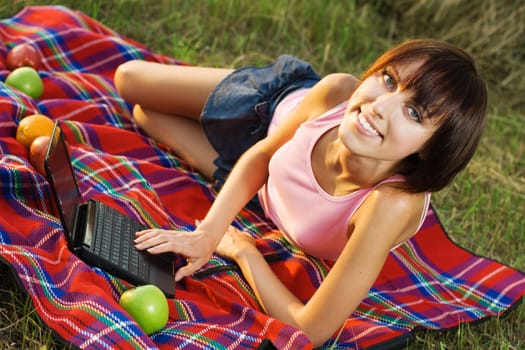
145 243
154 236
151 240
145 234
146 231
166 247
187 270
247 234
232 228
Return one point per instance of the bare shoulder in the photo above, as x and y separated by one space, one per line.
338 87
391 212
394 197
342 84
326 94
330 91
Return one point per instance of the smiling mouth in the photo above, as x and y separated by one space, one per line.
366 125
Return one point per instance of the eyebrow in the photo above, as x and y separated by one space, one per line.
392 70
425 113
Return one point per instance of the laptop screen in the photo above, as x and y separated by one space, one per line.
62 180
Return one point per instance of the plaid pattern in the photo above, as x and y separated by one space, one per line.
429 282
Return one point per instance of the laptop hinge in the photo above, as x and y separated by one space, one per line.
83 218
90 216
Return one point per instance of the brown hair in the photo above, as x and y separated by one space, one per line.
448 87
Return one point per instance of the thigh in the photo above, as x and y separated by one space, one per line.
172 89
183 136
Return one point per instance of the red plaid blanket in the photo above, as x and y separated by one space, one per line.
428 282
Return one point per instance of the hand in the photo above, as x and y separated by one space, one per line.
196 246
234 243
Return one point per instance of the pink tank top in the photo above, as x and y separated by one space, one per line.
310 218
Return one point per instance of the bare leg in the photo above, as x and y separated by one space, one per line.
168 101
170 89
183 136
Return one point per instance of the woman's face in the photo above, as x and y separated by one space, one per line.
381 121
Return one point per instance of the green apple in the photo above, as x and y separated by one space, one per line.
147 305
27 80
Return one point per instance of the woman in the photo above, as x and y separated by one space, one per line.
362 156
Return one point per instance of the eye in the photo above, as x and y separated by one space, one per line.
414 115
389 80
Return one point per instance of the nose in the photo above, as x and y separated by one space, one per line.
382 104
378 109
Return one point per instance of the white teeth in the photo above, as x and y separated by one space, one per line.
366 125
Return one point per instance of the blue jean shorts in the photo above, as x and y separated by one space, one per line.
239 110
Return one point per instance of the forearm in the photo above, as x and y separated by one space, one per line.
319 318
275 298
245 179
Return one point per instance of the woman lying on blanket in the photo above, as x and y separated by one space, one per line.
344 167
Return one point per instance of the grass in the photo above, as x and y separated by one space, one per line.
20 327
482 209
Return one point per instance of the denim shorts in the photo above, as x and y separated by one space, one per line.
239 110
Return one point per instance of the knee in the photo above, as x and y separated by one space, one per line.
126 77
140 117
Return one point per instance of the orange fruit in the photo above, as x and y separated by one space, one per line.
33 126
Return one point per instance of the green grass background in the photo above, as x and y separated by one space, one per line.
483 209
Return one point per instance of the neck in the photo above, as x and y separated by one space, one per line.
357 170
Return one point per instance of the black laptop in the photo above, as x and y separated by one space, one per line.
98 234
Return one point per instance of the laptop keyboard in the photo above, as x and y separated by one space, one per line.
114 235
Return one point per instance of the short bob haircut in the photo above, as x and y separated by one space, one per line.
449 89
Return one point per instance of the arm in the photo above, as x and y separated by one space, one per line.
246 178
384 218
